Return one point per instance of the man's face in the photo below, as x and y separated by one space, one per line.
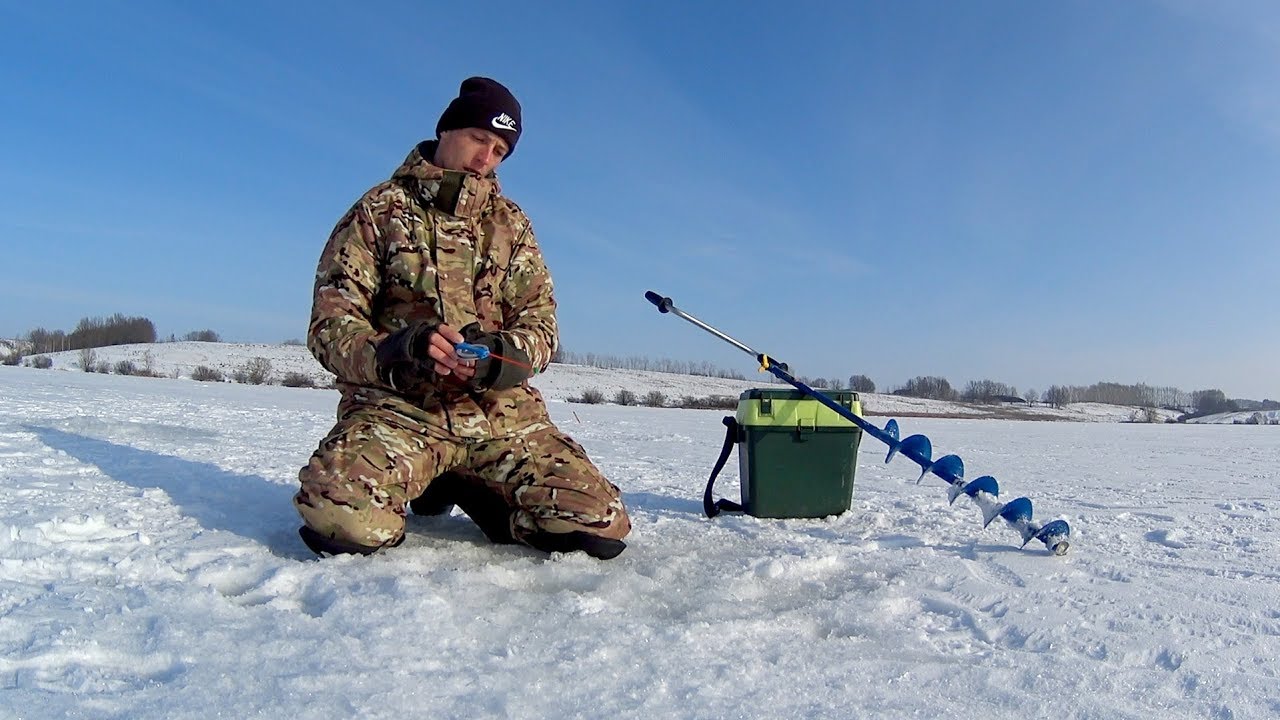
471 149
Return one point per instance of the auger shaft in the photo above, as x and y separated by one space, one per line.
917 448
780 370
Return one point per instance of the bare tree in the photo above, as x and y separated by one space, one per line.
1057 395
861 383
114 330
44 341
987 391
1208 402
254 372
929 386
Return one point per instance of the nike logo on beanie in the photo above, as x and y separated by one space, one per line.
504 122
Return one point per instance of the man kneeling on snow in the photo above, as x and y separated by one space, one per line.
434 257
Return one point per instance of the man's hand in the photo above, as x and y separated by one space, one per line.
506 367
446 361
415 358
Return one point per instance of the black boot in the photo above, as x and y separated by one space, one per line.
437 499
322 545
463 488
593 545
486 508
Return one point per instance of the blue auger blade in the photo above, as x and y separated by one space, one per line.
949 468
986 484
918 449
1054 536
891 430
984 492
1017 510
1018 514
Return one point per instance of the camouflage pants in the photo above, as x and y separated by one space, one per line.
358 482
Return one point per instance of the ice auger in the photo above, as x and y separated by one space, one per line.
983 491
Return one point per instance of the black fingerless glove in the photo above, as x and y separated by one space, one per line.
492 373
403 362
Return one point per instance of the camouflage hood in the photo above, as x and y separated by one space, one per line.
456 192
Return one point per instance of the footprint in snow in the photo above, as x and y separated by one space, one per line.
1168 538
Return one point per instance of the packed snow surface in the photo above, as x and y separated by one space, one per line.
149 568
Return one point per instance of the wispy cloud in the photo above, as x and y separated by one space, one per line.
1243 65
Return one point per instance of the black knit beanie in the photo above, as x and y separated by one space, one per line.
484 103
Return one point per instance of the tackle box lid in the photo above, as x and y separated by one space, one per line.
790 408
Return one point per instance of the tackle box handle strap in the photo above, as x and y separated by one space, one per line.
710 506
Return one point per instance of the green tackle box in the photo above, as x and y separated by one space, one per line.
796 456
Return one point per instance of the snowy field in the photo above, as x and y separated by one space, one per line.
560 382
149 568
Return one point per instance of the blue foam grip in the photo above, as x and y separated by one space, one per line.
664 304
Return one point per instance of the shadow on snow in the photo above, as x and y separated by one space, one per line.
249 506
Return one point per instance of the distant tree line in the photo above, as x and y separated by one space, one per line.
1200 402
92 332
664 365
1257 404
856 383
1111 393
989 391
1208 402
861 383
928 386
118 329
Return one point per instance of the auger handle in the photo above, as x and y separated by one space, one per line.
664 303
667 305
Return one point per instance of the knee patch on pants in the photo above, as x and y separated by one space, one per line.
559 490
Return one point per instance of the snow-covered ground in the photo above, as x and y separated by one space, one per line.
562 382
149 568
1247 417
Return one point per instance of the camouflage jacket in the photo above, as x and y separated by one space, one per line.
431 244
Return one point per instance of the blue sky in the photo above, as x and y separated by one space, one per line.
1034 193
